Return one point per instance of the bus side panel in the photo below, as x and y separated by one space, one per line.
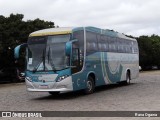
93 65
79 80
117 65
129 62
109 68
112 67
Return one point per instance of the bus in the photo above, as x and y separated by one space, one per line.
61 60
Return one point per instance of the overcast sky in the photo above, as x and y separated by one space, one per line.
132 17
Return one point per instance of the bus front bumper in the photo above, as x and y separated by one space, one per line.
65 85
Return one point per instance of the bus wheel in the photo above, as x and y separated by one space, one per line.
54 93
90 86
127 82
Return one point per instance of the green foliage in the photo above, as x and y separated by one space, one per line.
149 49
15 31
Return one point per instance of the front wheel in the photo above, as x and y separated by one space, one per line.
54 93
90 86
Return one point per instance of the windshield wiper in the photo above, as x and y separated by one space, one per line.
51 61
42 61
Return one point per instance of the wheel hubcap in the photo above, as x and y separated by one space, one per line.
89 85
128 80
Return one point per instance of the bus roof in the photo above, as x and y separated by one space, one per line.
52 31
109 33
67 30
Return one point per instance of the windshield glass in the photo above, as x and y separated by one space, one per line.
36 49
47 53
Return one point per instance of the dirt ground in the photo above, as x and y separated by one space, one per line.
143 94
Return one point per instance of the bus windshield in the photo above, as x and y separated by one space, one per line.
47 53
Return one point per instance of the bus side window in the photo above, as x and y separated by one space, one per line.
79 35
135 47
91 42
119 45
112 44
75 60
75 56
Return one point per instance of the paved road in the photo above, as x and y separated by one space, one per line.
143 94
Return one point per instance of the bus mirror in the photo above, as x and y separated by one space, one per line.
69 47
17 50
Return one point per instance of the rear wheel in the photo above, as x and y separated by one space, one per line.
90 86
127 82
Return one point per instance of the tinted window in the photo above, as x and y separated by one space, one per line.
125 46
37 40
135 47
103 43
80 36
58 39
120 45
91 42
112 44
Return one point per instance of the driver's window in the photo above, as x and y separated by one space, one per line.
75 57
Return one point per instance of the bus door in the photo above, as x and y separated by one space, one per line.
75 58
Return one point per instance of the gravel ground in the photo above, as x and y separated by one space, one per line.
143 94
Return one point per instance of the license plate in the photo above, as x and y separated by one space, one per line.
43 86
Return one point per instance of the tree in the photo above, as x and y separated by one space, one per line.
14 31
149 48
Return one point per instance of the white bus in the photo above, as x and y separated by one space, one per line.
70 59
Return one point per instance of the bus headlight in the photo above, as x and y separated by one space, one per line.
29 79
62 78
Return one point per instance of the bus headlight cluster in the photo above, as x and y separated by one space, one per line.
62 78
29 79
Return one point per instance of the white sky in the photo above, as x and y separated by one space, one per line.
132 17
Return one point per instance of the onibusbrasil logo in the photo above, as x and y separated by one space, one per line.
21 114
